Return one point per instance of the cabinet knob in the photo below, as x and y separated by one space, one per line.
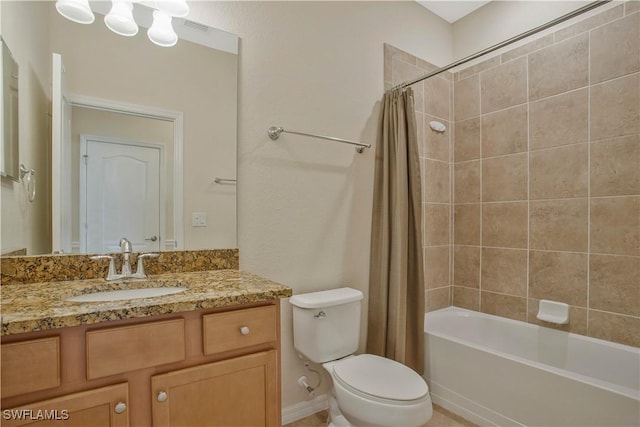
162 396
120 407
244 330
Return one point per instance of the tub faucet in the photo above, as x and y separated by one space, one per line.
125 247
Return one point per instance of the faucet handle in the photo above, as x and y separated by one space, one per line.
111 275
140 274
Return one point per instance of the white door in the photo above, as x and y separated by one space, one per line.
121 192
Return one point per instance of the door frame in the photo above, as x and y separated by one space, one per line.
177 118
82 199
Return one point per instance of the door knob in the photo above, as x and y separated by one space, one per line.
244 330
152 238
120 408
162 396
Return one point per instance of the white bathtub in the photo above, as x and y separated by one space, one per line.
497 371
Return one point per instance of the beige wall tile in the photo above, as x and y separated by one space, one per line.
615 225
438 298
420 133
615 166
466 270
614 284
613 327
466 298
436 144
504 271
436 221
559 173
436 266
528 48
436 98
559 120
467 98
467 140
615 49
577 318
559 68
394 52
481 66
467 224
558 276
631 6
589 23
504 224
615 107
503 305
402 71
437 185
559 225
467 182
504 86
504 132
504 178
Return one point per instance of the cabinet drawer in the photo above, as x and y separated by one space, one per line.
226 331
30 366
128 348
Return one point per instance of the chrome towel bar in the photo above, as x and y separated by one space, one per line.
275 131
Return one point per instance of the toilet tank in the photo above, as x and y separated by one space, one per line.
326 324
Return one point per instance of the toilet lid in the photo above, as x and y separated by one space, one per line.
380 377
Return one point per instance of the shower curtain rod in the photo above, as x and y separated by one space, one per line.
514 39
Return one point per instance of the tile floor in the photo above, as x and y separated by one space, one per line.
441 418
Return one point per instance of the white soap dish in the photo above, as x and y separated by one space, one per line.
553 312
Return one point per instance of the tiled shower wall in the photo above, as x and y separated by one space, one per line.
546 165
433 101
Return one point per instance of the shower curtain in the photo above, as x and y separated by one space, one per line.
396 280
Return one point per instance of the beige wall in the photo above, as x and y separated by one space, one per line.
547 178
189 78
304 205
24 224
500 20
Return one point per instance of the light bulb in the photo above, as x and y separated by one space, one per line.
120 18
76 11
177 8
161 31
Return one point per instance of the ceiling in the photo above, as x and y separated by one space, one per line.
452 10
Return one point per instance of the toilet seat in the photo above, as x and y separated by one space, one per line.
380 379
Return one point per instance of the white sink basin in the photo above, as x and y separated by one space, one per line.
126 294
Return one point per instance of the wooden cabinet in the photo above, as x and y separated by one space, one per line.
235 392
215 367
102 407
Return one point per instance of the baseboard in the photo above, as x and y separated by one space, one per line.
301 410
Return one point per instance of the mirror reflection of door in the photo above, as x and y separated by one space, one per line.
120 194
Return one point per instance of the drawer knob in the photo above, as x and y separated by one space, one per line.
244 330
162 396
120 407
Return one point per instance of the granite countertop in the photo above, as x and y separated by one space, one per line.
40 306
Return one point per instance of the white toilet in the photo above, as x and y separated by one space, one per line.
368 390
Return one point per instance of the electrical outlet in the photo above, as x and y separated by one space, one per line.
198 219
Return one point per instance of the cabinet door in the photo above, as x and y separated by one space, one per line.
235 392
102 407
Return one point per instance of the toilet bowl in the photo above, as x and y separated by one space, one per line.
374 391
368 390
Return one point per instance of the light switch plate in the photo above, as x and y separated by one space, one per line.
198 219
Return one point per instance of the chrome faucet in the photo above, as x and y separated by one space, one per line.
126 248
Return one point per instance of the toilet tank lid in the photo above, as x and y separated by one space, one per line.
326 298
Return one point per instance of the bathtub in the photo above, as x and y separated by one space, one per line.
497 371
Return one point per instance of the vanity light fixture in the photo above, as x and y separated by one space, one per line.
120 18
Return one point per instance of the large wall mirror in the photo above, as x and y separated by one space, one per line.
143 137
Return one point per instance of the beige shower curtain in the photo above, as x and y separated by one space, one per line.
396 283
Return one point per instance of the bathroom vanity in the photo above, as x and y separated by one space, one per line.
208 356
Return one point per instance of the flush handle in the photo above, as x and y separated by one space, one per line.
320 315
